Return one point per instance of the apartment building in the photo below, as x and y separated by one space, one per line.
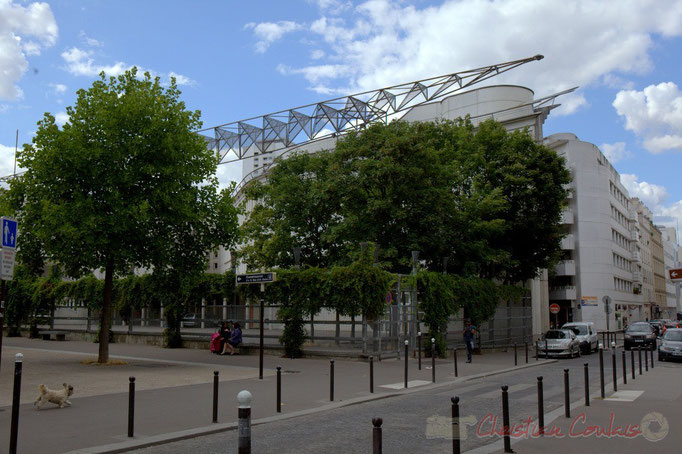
670 261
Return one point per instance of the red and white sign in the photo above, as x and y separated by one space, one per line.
554 308
676 274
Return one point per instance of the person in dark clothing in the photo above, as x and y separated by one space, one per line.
225 335
469 333
235 339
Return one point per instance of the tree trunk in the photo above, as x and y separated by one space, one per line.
105 314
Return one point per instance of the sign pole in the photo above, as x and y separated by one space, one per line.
262 308
2 314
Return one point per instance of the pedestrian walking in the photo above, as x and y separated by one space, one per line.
469 333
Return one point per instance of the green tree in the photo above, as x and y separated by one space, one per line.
124 184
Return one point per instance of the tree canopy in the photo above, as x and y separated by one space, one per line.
124 184
487 199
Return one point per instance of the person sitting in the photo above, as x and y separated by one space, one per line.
235 339
225 335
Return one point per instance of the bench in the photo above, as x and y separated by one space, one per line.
58 335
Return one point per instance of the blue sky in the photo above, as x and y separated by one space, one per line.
236 60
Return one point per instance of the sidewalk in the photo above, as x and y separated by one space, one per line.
174 390
644 415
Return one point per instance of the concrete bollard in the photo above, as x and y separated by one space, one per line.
244 422
16 394
215 395
131 406
376 435
455 425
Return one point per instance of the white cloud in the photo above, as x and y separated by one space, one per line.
80 63
383 43
17 24
269 32
181 80
653 195
61 118
615 152
58 88
89 41
7 160
227 173
317 54
653 114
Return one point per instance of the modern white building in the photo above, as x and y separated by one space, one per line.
671 261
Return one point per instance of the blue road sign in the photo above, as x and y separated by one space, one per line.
9 233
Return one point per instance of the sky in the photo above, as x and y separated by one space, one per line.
234 60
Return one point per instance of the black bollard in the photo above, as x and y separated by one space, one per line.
603 338
455 425
244 422
587 385
541 408
526 352
433 359
614 367
16 393
215 396
546 350
419 349
601 372
516 360
646 361
505 419
371 374
625 372
652 357
537 350
567 397
632 362
376 435
454 356
279 389
331 380
131 406
406 357
639 354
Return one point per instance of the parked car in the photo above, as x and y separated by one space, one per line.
671 345
586 334
559 342
640 334
657 325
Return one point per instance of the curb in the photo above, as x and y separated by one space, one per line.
171 437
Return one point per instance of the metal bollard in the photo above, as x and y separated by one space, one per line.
455 425
406 357
419 349
505 419
516 360
331 380
625 371
632 362
587 385
601 371
215 396
652 358
526 352
603 338
537 350
541 407
279 389
371 374
454 355
131 406
646 361
433 359
16 393
639 354
244 422
614 367
567 397
376 435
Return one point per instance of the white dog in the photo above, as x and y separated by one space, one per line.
60 397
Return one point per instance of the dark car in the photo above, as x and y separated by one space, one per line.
671 345
640 335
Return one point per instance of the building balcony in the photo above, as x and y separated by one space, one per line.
568 242
637 256
632 214
565 268
567 217
637 276
634 235
566 292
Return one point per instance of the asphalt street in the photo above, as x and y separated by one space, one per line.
417 422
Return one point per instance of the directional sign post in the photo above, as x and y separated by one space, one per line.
9 244
262 279
675 275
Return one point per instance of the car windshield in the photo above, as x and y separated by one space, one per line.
639 328
556 335
578 329
673 336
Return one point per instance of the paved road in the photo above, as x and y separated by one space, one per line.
414 422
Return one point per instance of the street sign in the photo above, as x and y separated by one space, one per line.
9 233
6 264
607 303
676 274
258 278
554 308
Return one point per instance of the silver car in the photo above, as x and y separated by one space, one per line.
559 342
586 334
671 345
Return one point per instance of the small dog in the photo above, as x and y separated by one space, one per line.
59 397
